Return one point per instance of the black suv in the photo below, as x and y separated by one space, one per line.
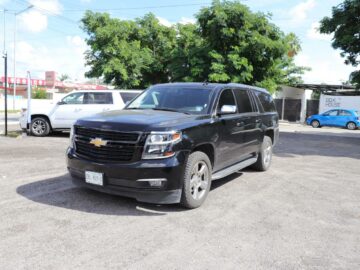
171 141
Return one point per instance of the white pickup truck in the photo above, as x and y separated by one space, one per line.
61 115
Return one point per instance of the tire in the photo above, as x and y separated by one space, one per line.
351 126
265 155
196 180
315 123
40 127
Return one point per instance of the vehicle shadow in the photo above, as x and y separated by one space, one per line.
61 192
223 181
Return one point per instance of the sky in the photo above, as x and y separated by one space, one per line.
48 36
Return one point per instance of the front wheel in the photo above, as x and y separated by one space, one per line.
40 127
265 155
196 181
315 124
351 125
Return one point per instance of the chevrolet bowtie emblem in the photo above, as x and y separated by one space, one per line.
98 142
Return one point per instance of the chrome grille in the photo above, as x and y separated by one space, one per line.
120 146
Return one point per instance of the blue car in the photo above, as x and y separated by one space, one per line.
335 118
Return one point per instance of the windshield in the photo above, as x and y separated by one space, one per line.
194 100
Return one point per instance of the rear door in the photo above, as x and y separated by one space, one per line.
344 118
248 122
97 102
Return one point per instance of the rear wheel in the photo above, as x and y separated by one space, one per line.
40 127
315 124
197 180
265 155
351 125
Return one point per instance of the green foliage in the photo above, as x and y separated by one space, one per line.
229 43
64 77
38 93
345 25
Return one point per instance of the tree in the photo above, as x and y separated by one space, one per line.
64 77
245 47
229 43
345 25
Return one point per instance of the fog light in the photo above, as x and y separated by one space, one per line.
156 182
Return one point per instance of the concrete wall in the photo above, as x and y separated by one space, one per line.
336 102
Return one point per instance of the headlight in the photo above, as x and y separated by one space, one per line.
71 143
160 144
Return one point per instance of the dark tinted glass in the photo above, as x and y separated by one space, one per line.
193 100
226 98
266 101
126 97
98 98
243 101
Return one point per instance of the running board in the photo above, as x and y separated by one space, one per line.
234 168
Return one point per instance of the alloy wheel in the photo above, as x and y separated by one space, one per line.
199 180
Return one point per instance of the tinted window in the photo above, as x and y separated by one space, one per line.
243 101
126 97
266 101
98 98
75 98
226 98
194 100
345 113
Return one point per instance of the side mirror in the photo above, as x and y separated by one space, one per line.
227 109
60 102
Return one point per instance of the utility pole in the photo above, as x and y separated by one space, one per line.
5 70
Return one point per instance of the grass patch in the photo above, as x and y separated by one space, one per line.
12 134
10 111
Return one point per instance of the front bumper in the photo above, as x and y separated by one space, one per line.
122 178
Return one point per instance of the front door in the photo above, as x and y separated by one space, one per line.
329 118
66 112
230 130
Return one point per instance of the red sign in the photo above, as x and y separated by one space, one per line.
36 82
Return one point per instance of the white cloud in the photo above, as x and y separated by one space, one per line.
164 21
313 33
36 19
186 20
33 21
183 20
39 58
326 68
300 12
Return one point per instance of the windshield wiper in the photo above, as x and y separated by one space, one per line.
168 110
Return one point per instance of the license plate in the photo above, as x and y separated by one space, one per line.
94 178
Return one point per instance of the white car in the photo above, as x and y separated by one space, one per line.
77 104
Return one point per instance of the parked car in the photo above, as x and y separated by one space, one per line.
170 142
336 118
77 104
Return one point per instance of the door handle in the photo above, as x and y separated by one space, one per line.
240 124
77 110
106 109
258 121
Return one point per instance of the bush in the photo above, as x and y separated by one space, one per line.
39 94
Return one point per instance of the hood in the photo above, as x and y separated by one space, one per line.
140 120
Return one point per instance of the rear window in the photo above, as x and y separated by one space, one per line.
126 97
266 101
243 101
98 98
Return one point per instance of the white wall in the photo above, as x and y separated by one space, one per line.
337 102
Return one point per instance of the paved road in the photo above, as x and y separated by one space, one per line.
302 214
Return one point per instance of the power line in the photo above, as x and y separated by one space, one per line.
136 8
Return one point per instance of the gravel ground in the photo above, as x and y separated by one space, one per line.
304 213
